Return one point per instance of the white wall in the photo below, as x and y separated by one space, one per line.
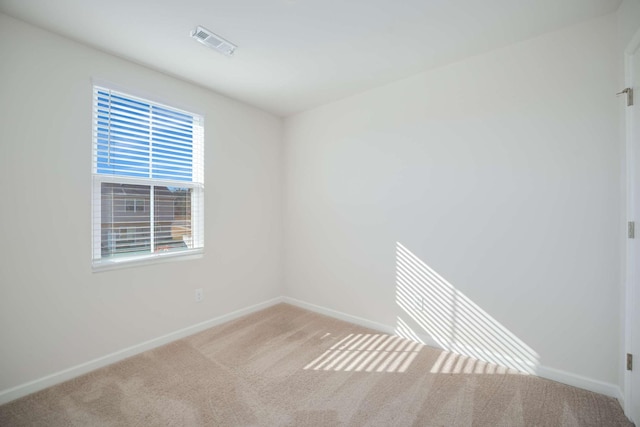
628 21
54 312
501 173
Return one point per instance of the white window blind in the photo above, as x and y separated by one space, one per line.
148 180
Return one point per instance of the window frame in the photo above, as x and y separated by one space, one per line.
196 187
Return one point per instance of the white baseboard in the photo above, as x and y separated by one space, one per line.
13 393
339 315
83 368
601 387
575 380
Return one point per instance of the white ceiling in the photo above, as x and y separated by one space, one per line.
297 54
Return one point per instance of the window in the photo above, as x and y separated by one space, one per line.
135 205
148 180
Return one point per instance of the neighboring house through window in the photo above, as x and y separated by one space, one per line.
135 205
148 180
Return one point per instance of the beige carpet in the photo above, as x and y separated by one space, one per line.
285 366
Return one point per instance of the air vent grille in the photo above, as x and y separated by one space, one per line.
201 35
213 41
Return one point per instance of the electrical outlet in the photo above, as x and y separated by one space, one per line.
199 295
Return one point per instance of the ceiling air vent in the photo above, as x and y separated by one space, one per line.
213 41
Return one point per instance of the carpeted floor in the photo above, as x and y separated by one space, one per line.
285 366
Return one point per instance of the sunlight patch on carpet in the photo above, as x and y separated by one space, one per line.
452 363
367 353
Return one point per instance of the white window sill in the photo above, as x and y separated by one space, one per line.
140 260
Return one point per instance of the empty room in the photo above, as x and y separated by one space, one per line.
320 213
